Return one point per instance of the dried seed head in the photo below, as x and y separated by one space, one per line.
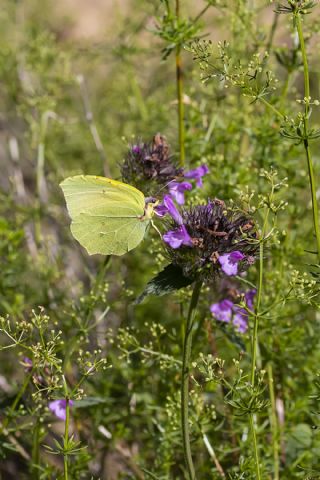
148 165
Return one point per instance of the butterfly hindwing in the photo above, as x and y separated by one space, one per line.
107 216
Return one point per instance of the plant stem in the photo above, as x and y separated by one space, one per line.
36 452
306 133
180 94
255 446
254 345
66 440
274 423
187 345
13 407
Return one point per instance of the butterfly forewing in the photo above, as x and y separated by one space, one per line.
107 216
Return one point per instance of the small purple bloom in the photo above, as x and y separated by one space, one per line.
249 297
177 190
136 149
222 310
160 210
58 408
172 209
240 319
27 363
178 237
197 174
229 262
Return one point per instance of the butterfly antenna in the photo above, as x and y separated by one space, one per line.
165 186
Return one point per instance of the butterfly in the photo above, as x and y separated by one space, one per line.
108 217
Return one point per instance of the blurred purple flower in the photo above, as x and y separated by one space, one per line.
178 237
136 149
225 310
229 262
177 189
27 363
249 297
222 310
58 407
197 174
240 319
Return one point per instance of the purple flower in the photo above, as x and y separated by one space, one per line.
229 262
178 237
222 310
197 174
240 319
249 297
161 210
58 408
27 363
172 209
136 149
177 190
225 310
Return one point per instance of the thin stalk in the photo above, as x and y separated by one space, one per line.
274 424
255 447
180 94
187 346
254 345
36 452
66 440
18 397
313 187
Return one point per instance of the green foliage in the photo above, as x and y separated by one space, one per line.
70 326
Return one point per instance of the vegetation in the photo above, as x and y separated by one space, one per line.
194 355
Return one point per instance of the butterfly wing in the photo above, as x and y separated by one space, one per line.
107 216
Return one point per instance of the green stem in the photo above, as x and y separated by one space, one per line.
187 346
66 440
274 423
255 446
274 109
180 94
313 187
36 452
13 407
254 345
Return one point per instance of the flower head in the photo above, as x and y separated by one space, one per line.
149 164
216 233
197 174
58 407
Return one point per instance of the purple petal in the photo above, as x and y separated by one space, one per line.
58 408
160 210
240 320
177 190
178 237
172 209
249 297
136 149
197 174
229 262
222 310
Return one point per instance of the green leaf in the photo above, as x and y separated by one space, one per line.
89 402
168 280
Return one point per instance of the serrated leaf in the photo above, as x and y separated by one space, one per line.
168 280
